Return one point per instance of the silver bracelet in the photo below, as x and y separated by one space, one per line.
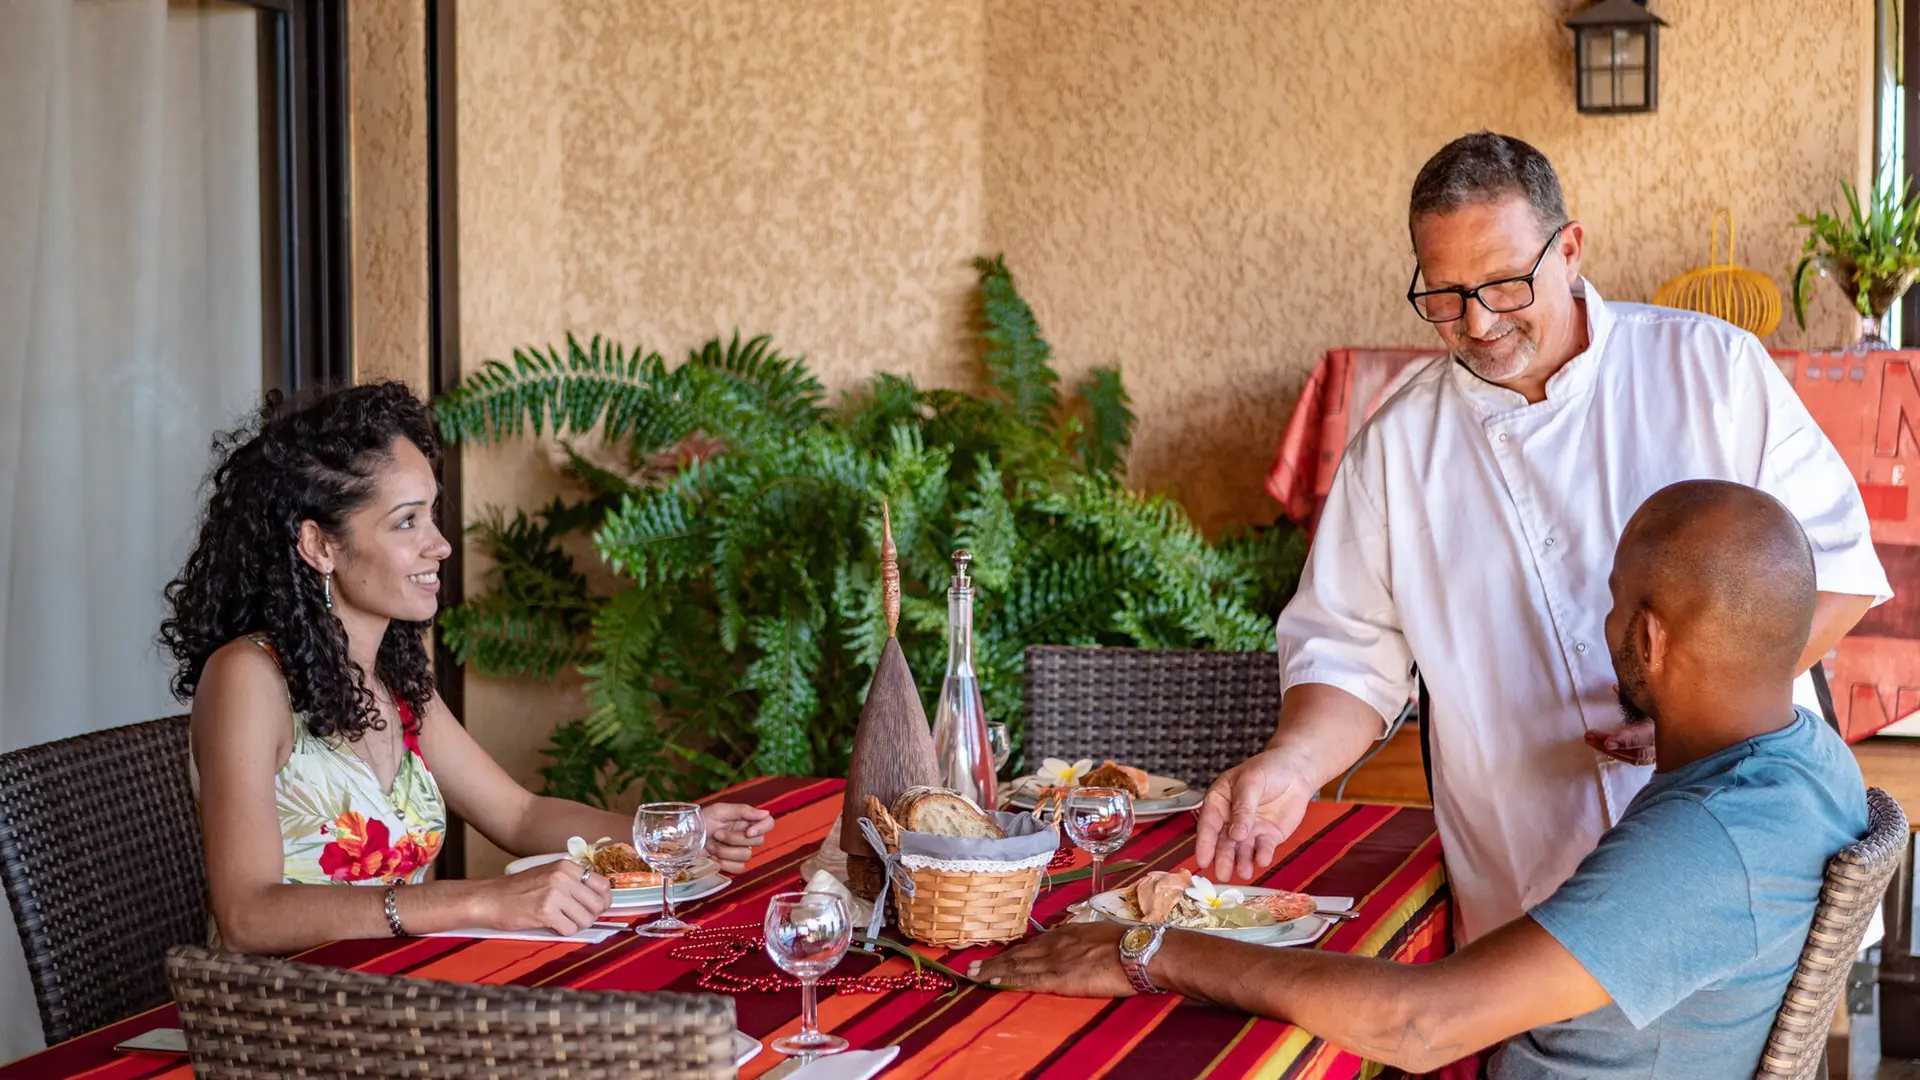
393 912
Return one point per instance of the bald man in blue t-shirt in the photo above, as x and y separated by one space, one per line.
1668 952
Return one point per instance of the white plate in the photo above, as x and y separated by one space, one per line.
1165 794
629 901
745 1048
1300 931
702 873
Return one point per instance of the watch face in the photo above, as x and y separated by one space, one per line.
1136 939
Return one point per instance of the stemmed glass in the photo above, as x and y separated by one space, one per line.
1099 821
1000 745
670 837
807 934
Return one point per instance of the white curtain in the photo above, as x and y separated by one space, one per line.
130 329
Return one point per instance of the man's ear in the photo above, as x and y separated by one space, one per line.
1655 644
1573 244
316 548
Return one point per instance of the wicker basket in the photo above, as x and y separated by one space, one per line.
960 903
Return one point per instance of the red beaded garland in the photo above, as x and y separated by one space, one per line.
715 948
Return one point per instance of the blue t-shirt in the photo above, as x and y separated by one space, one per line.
1693 910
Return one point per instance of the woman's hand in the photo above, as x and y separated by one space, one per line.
733 831
558 896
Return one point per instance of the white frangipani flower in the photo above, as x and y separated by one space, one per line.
582 852
1057 773
1204 893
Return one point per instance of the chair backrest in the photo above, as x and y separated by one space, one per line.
1856 880
101 861
248 1016
1187 713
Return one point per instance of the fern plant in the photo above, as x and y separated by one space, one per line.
739 515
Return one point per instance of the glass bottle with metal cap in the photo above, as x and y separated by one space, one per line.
960 723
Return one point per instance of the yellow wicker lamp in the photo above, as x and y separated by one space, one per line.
1746 298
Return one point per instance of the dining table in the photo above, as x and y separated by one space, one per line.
1385 858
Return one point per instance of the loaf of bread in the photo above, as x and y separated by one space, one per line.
939 812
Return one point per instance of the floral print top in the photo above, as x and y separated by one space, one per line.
337 827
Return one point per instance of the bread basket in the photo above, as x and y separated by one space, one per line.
953 891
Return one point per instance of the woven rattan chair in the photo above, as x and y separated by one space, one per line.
248 1017
100 858
1856 879
1186 713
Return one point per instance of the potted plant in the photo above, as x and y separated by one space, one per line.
1871 255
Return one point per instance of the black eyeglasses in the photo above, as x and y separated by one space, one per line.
1498 297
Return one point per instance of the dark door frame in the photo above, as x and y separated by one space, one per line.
307 208
443 354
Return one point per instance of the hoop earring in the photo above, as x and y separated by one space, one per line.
326 587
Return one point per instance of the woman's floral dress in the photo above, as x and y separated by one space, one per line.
337 827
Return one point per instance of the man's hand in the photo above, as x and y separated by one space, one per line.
1082 960
1248 811
1632 743
733 831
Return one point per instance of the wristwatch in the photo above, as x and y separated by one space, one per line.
1136 951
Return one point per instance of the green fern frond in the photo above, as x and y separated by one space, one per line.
789 647
545 390
780 386
1109 432
1019 361
987 527
656 536
497 635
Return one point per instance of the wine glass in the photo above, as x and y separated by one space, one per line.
807 934
1099 821
670 837
1000 745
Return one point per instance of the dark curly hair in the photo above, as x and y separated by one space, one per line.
318 463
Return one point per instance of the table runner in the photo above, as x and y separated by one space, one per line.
1387 858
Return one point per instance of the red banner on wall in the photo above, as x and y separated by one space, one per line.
1869 406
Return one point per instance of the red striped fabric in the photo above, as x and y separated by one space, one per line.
1387 858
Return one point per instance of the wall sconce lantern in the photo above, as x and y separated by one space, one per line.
1616 57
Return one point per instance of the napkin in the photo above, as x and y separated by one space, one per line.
851 1065
823 881
585 937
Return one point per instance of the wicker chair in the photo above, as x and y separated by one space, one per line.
1856 879
70 811
1187 713
249 1017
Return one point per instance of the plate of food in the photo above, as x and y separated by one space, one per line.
1153 796
634 884
1244 913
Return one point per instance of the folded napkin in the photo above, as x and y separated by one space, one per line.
588 936
823 881
851 1065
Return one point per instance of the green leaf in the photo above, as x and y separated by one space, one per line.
1110 421
1019 361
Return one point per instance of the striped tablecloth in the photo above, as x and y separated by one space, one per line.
1387 858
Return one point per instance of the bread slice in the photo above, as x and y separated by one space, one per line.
1112 774
942 813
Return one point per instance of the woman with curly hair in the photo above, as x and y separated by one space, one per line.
322 753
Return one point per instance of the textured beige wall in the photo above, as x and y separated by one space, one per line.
387 92
664 173
1215 193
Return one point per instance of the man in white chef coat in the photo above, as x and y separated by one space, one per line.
1470 528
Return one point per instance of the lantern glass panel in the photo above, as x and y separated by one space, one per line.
1597 88
1632 88
1630 48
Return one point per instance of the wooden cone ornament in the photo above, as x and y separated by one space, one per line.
893 744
